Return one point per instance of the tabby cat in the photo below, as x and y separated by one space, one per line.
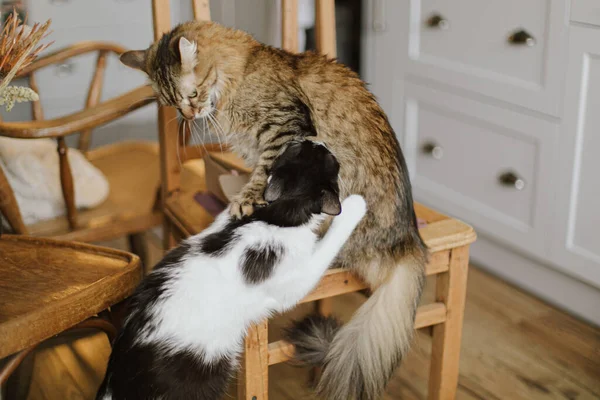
263 97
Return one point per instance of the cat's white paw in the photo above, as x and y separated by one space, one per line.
354 205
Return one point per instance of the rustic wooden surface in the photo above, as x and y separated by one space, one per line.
445 355
67 52
289 25
325 37
201 10
325 27
168 129
93 97
47 286
82 120
514 347
66 182
36 106
253 376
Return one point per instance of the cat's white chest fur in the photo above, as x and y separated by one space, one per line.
209 304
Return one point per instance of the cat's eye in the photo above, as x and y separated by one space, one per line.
193 95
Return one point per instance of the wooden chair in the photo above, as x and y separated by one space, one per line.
132 168
448 239
49 286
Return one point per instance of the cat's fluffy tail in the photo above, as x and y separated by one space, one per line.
360 357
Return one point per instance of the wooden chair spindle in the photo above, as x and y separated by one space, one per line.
201 10
36 106
66 182
93 97
289 25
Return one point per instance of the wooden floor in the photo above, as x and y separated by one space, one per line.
514 347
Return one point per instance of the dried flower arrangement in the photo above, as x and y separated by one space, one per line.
18 48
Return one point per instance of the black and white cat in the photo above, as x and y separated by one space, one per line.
188 318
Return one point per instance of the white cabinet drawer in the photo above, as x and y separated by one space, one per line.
586 11
77 13
461 153
474 44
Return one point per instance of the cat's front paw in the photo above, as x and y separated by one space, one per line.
354 206
245 205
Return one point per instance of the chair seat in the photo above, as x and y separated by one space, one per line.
48 286
132 170
440 233
182 209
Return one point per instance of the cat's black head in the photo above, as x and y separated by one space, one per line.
303 181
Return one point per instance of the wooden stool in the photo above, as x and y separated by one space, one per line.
447 239
49 286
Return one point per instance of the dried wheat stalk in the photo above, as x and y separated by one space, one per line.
17 50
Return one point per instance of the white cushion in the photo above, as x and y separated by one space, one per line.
33 172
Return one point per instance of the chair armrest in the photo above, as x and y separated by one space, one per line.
71 51
82 120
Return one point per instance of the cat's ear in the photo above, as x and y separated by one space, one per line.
274 189
330 203
187 50
134 59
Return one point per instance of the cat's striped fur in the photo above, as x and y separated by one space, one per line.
264 97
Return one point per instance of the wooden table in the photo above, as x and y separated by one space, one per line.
49 286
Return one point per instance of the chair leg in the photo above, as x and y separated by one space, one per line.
98 323
169 240
12 364
139 246
253 377
451 289
324 306
91 323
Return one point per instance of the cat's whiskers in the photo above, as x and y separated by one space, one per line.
185 131
204 129
177 145
227 120
203 139
195 133
217 129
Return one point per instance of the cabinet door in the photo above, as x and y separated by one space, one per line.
577 243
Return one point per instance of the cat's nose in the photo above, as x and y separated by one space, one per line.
188 116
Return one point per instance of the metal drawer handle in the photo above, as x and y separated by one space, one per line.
437 21
521 37
64 69
510 179
434 150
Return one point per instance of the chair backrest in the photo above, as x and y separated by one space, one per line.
60 127
168 132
